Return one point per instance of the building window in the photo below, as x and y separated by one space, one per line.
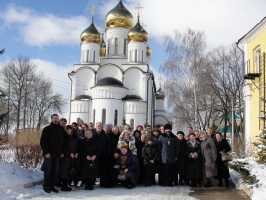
132 123
94 56
116 46
136 55
130 55
93 118
257 59
104 116
116 118
142 56
88 56
125 47
108 46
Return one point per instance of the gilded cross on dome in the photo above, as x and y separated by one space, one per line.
92 10
139 9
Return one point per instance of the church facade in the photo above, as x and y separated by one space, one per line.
113 83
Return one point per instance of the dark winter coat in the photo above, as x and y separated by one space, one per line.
168 148
52 140
194 171
222 166
71 145
105 158
150 154
181 156
209 155
88 147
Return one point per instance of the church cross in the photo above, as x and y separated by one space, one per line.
92 10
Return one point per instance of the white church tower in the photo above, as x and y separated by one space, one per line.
113 83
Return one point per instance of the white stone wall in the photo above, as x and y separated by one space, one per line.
135 110
134 80
81 109
137 52
82 81
121 36
110 105
110 70
90 53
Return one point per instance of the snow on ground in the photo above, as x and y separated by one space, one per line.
14 177
143 193
258 189
259 170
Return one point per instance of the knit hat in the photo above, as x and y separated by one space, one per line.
181 133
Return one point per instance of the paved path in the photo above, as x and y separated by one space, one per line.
216 193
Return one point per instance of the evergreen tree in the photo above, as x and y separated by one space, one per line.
261 146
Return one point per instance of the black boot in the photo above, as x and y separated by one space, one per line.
53 189
47 189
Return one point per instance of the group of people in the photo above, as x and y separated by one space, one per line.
77 155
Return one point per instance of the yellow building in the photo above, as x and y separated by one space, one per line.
253 45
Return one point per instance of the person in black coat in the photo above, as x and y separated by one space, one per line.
88 155
181 158
72 165
139 145
105 157
222 147
52 144
194 171
151 156
168 157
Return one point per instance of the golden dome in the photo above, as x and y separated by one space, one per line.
90 35
137 33
119 16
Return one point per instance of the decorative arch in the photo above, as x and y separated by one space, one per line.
130 68
134 81
109 70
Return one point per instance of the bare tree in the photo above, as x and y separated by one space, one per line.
202 86
16 73
186 69
31 95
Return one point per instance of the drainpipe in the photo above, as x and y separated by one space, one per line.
69 116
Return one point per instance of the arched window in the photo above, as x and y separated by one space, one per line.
125 47
132 123
88 56
108 46
104 116
130 56
116 118
136 55
116 46
93 118
94 56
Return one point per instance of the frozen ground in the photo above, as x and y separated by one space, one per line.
13 178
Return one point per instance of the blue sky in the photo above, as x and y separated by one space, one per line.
63 54
48 31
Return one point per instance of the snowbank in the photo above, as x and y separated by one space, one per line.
14 178
259 170
255 183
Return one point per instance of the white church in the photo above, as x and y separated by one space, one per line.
113 83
